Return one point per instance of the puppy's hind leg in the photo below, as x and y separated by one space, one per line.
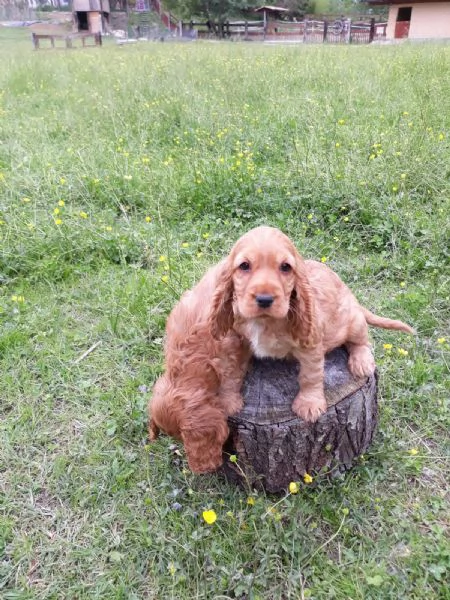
153 430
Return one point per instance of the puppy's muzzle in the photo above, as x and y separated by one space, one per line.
264 300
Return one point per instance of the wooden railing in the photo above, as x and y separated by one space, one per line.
308 30
67 41
227 29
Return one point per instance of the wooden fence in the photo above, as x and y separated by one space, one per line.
228 29
308 31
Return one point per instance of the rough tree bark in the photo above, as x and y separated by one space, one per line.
274 447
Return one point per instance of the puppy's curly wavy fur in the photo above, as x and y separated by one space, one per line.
262 300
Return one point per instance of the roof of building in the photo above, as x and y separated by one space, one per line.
271 9
406 2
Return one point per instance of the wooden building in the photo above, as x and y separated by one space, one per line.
270 15
417 19
91 15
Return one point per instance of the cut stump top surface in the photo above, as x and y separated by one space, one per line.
271 385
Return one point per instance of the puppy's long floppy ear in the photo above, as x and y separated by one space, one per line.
221 317
302 311
203 445
204 430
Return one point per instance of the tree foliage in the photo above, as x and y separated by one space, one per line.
215 10
221 10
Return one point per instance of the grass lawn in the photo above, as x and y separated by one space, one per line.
124 173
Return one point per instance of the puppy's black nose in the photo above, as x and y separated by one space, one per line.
264 300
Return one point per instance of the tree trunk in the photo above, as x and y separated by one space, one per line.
274 447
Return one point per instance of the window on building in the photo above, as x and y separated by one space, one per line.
404 13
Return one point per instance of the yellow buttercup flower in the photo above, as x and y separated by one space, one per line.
293 488
387 346
209 516
307 478
250 501
413 451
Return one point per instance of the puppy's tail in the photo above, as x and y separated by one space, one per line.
376 321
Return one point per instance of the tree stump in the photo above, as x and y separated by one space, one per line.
274 447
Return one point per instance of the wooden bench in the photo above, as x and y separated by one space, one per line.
69 39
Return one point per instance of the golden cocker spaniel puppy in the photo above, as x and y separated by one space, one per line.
262 300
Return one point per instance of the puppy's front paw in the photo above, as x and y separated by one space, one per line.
361 362
309 407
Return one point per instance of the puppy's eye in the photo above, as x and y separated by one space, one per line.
285 267
244 266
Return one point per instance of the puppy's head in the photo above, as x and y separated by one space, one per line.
263 278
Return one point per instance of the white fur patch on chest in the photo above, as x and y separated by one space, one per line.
267 343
